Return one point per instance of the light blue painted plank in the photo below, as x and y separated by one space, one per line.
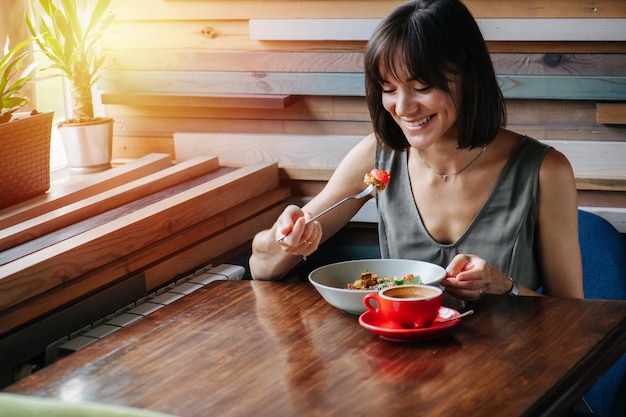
563 87
199 82
343 84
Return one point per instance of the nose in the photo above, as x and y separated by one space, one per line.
405 104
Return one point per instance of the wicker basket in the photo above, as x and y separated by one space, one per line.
24 157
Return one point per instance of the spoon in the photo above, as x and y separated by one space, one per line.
362 194
464 314
442 320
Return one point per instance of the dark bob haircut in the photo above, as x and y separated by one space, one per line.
436 42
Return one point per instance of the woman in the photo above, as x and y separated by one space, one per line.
497 208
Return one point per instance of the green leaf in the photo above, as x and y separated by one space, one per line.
13 76
69 33
414 280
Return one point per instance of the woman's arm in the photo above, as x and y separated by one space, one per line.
270 259
557 229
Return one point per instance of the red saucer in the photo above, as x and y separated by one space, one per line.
385 329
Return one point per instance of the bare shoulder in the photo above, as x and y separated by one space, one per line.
555 169
558 196
555 174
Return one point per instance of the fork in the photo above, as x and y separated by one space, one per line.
362 194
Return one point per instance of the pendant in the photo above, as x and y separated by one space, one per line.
444 177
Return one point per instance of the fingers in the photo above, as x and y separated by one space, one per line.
466 294
306 249
308 245
303 239
467 277
288 221
461 263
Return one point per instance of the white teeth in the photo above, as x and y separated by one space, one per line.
419 122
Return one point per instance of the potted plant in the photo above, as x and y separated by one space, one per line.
13 77
24 136
68 32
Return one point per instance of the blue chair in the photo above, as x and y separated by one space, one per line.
603 251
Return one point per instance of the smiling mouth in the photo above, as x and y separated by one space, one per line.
418 123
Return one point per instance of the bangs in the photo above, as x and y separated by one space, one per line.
401 52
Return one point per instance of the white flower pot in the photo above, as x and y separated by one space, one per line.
88 146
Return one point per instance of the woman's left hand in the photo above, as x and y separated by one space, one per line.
469 277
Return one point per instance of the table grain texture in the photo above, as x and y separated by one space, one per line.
247 348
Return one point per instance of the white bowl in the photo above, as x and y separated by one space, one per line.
332 280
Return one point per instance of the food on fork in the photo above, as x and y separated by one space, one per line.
369 281
378 177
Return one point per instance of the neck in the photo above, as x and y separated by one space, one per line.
446 164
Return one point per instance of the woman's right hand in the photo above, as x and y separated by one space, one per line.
272 257
299 239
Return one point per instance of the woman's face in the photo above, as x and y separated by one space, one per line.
424 113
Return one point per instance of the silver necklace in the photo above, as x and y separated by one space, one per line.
444 177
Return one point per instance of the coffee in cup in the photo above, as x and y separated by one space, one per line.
406 306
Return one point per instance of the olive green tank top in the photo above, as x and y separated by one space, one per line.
502 233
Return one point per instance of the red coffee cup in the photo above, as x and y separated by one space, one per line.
406 306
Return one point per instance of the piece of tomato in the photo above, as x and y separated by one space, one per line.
381 175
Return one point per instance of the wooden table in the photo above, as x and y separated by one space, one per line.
242 348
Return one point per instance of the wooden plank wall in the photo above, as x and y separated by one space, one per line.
209 66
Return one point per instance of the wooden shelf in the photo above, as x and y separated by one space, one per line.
159 224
